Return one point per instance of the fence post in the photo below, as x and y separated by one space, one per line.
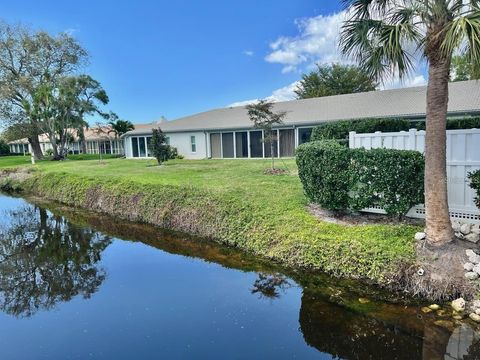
412 139
351 139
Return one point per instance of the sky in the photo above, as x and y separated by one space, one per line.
177 58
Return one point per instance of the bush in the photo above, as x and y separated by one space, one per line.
4 148
456 124
339 178
339 130
475 185
323 168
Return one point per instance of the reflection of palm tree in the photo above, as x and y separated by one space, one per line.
269 286
45 260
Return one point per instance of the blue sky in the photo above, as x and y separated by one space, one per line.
175 58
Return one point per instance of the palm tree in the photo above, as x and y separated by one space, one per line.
380 36
119 126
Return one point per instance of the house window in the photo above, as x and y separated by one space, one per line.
193 144
149 139
135 147
304 135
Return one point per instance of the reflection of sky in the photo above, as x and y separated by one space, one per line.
8 204
157 305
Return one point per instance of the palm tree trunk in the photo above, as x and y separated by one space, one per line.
438 225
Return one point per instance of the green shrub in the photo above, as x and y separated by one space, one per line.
475 185
339 129
456 124
323 168
339 178
390 179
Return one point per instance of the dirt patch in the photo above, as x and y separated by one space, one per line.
359 218
275 171
438 273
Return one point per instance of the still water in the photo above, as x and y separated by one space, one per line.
76 285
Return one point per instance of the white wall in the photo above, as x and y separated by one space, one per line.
181 141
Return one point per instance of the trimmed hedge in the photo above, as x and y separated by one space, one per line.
338 178
339 130
475 185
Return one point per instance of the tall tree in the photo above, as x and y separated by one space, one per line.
462 69
379 35
28 61
263 117
60 108
335 79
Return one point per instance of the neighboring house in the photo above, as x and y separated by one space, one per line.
97 140
229 133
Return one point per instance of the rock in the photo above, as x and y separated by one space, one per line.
460 235
470 252
476 269
426 310
476 304
477 311
465 229
474 317
363 300
420 236
457 317
456 226
458 304
434 307
476 229
471 275
474 259
441 312
474 238
468 266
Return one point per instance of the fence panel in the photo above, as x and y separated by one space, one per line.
463 156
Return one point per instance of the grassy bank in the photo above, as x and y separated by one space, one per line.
230 201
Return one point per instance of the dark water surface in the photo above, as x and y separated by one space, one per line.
75 285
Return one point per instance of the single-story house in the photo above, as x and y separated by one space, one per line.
229 133
97 140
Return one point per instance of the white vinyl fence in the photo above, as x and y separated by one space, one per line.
463 156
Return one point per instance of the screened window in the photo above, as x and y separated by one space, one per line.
227 145
287 142
135 147
268 142
304 135
256 144
215 146
193 144
241 144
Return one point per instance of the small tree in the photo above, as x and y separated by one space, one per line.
158 146
263 117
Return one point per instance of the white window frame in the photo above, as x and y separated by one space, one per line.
193 143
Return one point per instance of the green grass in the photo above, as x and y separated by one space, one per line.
260 213
13 161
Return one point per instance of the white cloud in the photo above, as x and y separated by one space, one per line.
248 53
316 42
285 93
415 80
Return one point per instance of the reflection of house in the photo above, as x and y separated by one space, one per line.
228 133
97 140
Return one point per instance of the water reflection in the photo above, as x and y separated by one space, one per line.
49 258
45 260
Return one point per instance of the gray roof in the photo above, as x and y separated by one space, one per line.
406 102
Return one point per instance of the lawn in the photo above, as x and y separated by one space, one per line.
264 214
13 161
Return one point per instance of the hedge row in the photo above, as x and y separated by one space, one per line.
475 185
339 130
339 178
